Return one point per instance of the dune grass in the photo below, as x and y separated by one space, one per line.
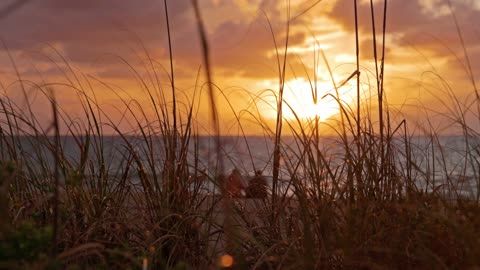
371 205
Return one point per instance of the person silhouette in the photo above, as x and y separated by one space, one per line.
235 184
257 187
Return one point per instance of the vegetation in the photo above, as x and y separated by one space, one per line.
362 209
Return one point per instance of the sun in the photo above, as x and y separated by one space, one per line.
298 100
298 97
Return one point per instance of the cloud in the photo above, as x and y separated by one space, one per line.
425 24
92 34
86 30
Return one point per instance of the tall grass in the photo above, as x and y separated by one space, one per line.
360 199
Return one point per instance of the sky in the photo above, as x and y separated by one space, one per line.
117 53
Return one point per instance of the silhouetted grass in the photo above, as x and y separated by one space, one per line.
371 204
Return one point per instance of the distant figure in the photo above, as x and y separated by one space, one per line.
257 187
235 184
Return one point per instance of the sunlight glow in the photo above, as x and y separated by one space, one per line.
298 95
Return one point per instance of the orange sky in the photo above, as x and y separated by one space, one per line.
108 44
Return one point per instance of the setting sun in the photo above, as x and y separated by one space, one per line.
299 95
299 99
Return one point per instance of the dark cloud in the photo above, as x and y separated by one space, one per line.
413 23
401 15
86 30
96 32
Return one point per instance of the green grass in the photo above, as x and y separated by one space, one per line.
365 211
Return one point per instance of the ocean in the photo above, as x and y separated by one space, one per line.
435 163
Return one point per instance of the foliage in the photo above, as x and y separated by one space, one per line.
362 209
